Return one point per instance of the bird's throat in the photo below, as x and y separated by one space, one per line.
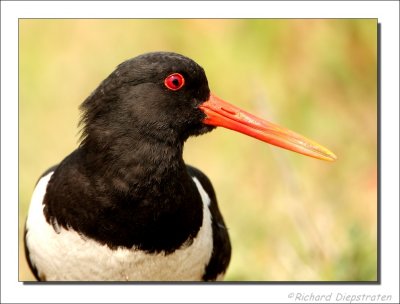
135 165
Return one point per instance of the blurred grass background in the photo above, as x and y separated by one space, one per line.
290 218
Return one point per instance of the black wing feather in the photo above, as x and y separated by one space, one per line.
221 254
31 266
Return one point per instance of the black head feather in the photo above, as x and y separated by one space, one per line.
133 100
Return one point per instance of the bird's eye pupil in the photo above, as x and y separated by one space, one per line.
174 81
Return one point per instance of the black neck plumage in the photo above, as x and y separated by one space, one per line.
134 193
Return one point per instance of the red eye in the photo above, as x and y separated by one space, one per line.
174 81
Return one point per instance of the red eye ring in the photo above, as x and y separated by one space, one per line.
174 81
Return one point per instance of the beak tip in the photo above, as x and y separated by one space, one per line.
331 157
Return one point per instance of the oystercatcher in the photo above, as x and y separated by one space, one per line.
124 205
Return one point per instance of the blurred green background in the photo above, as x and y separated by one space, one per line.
290 217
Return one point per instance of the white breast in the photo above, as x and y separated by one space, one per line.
66 255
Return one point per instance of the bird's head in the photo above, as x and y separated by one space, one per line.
165 96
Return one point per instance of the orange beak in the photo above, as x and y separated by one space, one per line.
223 114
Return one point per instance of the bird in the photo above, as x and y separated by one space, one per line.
124 206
